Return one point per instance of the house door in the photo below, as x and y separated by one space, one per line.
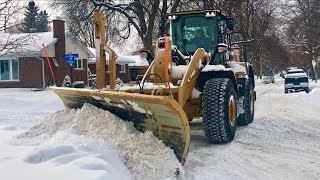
134 74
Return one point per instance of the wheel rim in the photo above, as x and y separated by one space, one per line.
251 101
232 111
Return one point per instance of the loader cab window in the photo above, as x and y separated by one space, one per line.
191 33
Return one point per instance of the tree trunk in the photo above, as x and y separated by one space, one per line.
147 43
311 67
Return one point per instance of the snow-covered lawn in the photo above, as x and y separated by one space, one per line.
41 140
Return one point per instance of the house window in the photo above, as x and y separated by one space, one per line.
79 64
122 68
9 70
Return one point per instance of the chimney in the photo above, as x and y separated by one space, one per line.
60 48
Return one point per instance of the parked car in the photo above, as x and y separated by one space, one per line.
268 79
297 80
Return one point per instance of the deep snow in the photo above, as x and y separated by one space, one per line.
283 142
41 140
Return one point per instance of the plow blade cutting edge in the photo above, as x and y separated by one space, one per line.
159 114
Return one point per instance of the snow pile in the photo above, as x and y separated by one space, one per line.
63 156
178 71
8 128
208 68
146 85
195 93
236 66
48 152
144 155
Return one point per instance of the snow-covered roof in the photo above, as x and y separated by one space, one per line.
139 61
294 75
30 44
25 44
122 59
295 70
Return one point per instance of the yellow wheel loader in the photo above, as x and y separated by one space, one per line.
199 70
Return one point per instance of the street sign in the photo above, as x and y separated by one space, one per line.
70 58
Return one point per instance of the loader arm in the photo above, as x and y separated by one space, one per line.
190 78
156 70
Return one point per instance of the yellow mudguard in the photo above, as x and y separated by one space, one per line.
159 114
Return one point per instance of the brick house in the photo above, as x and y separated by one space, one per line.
139 67
127 67
26 65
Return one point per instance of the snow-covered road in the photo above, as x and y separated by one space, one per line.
283 142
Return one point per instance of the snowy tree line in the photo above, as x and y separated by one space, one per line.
32 20
11 22
283 34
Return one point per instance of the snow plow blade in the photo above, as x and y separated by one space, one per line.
159 114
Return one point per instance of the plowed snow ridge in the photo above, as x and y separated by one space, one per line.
143 154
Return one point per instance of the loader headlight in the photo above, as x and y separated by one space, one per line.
172 17
222 47
210 14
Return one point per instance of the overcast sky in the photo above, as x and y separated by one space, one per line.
45 5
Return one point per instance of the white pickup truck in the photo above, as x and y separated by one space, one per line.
296 79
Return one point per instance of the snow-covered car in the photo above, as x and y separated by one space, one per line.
296 79
268 79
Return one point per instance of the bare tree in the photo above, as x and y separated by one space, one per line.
144 16
256 19
79 19
8 15
303 32
9 43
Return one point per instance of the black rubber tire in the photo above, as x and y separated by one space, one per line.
215 106
247 116
285 90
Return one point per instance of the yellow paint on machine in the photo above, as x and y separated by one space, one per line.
160 114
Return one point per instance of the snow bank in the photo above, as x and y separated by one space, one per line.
46 153
208 68
195 93
143 154
8 127
236 66
178 71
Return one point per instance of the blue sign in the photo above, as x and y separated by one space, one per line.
70 58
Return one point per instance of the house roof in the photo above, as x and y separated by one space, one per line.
25 44
120 60
30 44
139 61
